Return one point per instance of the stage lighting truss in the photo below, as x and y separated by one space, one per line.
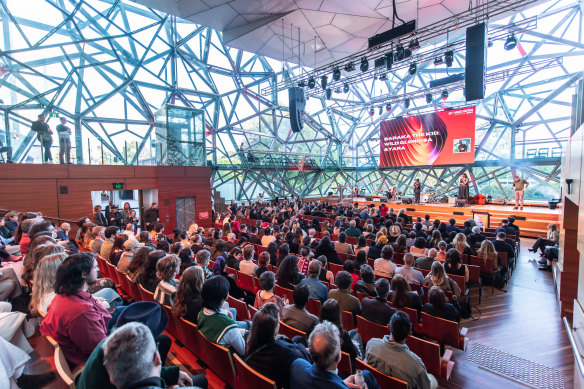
429 34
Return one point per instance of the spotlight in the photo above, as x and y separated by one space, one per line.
407 103
302 84
371 111
329 93
388 107
400 52
380 109
413 68
444 94
383 77
449 58
336 74
511 42
311 82
429 98
364 64
346 88
338 90
389 60
414 44
323 81
438 61
349 67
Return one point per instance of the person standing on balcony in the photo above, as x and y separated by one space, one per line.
64 141
44 135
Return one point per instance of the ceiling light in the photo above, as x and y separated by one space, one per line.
323 82
400 52
388 107
413 68
383 77
429 98
346 88
389 60
364 64
349 67
338 89
414 44
329 93
302 84
449 58
311 82
444 94
438 61
371 111
407 103
511 42
336 74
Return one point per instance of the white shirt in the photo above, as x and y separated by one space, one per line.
384 267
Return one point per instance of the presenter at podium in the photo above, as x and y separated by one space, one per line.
463 187
417 190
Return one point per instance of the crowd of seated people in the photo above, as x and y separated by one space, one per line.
287 247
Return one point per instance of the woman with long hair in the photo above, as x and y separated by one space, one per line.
117 249
454 264
136 264
272 249
439 306
437 277
283 252
44 280
434 239
362 245
401 246
288 274
487 251
188 301
268 355
325 248
419 248
552 238
401 295
460 244
126 213
147 277
330 311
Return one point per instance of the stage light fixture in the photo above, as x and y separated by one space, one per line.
413 68
311 82
301 84
400 52
329 93
383 77
438 61
336 74
380 109
449 58
429 98
389 60
371 111
407 103
511 42
414 44
349 67
346 88
388 107
364 64
444 94
323 81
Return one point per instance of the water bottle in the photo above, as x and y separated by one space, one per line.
359 380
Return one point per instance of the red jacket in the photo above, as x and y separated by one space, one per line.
78 323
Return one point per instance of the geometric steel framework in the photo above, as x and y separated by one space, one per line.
108 66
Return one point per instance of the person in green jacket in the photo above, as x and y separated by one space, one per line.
151 314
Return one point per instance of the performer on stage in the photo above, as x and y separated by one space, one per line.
463 187
356 190
519 185
417 190
391 193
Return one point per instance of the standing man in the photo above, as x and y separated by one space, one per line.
417 190
151 217
64 141
519 185
44 135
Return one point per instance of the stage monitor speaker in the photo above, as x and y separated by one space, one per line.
499 201
407 200
297 103
330 193
460 203
475 62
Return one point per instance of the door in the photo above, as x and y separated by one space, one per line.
185 212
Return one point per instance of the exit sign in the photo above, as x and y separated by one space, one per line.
118 185
53 115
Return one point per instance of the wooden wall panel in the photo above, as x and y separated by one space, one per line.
27 171
111 172
29 195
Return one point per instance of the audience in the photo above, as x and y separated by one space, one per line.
402 295
166 270
147 276
288 274
188 301
365 284
376 309
347 302
247 266
318 290
296 315
263 262
439 306
454 264
411 275
437 277
331 311
384 266
426 262
131 246
267 295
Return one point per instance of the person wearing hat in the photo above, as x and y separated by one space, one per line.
130 248
151 315
116 218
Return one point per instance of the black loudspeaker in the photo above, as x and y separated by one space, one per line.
460 203
476 62
407 200
297 104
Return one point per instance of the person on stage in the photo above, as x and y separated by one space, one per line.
463 187
417 190
519 185
356 190
391 193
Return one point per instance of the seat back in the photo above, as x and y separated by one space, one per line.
398 258
240 307
384 381
428 352
504 259
283 292
171 327
290 331
63 368
313 306
248 378
134 290
343 257
334 268
348 320
345 366
252 311
369 330
361 296
113 273
124 282
146 295
459 280
443 331
189 335
474 274
247 282
218 359
413 314
231 272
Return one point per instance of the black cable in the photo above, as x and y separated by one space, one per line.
396 15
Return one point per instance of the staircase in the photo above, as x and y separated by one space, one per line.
219 202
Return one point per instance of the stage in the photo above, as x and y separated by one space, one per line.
532 220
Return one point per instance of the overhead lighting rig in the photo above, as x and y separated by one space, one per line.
449 58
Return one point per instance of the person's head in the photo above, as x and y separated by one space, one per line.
432 253
420 243
331 311
427 218
168 267
300 295
263 259
437 273
437 297
401 290
343 280
203 258
487 250
214 292
552 227
189 289
409 259
130 355
41 118
342 237
501 236
44 278
367 274
387 252
418 226
75 274
288 269
400 326
452 221
382 288
127 207
323 260
476 230
314 268
39 228
352 223
453 258
459 242
267 281
150 264
264 327
325 346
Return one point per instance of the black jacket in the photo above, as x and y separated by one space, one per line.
377 310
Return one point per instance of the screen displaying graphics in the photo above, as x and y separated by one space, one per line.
438 138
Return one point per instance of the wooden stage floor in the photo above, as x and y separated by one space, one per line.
524 322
